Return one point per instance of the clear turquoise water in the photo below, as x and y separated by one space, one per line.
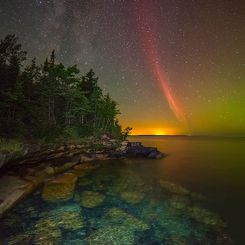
184 198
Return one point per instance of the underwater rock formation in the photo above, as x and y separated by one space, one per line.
132 197
130 181
179 202
173 188
205 216
84 181
22 239
60 188
67 217
82 169
117 227
118 234
119 216
91 199
47 232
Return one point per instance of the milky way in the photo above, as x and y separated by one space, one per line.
171 65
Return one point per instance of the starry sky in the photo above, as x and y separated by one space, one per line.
174 66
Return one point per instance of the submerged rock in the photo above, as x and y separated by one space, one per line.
47 232
91 199
68 217
197 196
205 216
84 182
64 167
179 202
119 235
132 197
173 188
118 227
60 188
23 239
86 166
177 240
130 181
119 216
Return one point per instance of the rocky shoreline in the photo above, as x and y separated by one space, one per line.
22 172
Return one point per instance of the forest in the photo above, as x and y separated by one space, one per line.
50 101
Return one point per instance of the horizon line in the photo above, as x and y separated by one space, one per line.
194 135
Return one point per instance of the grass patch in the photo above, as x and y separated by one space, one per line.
10 145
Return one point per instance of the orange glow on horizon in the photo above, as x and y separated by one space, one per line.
154 131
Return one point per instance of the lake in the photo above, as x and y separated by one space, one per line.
213 166
195 195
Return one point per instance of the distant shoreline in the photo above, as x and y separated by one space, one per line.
192 136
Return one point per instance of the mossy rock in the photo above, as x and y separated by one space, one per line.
132 197
91 199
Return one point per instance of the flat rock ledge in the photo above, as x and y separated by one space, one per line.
20 177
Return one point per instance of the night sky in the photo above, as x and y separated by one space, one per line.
174 66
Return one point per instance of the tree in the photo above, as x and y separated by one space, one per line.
51 101
11 59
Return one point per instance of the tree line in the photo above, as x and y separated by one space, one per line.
50 101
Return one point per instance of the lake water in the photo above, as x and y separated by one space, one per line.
195 195
213 166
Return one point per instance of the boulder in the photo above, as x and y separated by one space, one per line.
60 188
155 155
136 149
117 154
124 143
135 144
